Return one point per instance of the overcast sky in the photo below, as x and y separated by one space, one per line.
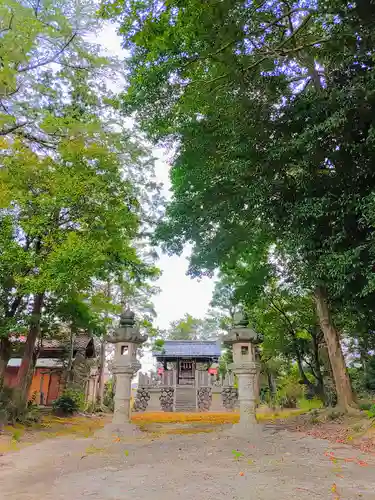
179 293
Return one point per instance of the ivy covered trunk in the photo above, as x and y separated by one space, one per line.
331 335
25 372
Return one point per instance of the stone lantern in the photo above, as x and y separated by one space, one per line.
126 339
244 339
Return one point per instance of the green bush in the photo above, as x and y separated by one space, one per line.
371 412
290 394
108 399
70 402
365 405
11 411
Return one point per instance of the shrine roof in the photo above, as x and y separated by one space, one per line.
189 349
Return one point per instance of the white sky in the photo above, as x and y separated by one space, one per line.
179 293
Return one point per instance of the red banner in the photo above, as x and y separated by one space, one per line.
212 371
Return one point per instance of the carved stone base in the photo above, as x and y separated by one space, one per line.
247 430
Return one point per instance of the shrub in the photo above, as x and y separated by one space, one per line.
108 399
70 402
371 412
365 405
11 411
290 393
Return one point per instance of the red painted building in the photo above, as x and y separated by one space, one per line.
47 384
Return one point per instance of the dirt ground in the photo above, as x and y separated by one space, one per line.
273 464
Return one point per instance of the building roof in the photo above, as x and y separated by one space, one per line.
40 363
81 341
189 349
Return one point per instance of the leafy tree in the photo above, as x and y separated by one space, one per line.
42 50
190 328
77 190
272 106
71 217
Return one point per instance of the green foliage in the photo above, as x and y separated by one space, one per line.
70 402
363 377
158 345
365 405
43 48
371 412
11 411
290 392
190 328
78 195
109 395
272 105
226 359
369 377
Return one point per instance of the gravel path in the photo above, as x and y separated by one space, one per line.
272 465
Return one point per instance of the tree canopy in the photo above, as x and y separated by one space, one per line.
78 194
270 105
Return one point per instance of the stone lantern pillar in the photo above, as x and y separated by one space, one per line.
245 366
126 339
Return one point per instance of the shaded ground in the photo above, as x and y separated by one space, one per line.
274 464
356 431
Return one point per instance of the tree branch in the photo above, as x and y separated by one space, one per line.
51 59
9 26
14 128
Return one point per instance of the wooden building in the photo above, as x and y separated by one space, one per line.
186 362
46 384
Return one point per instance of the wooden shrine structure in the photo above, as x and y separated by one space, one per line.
187 362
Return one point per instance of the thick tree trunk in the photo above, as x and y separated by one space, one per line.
345 398
5 353
25 372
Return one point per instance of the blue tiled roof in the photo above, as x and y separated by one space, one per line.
189 348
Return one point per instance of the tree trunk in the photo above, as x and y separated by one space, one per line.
271 384
25 372
318 371
345 398
5 353
101 372
68 371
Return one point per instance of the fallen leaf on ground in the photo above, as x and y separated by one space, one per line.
362 463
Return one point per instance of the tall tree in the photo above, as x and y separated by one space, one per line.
72 216
272 107
42 48
190 328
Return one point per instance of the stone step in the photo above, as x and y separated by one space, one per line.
185 399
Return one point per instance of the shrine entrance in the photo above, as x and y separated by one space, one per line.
186 372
